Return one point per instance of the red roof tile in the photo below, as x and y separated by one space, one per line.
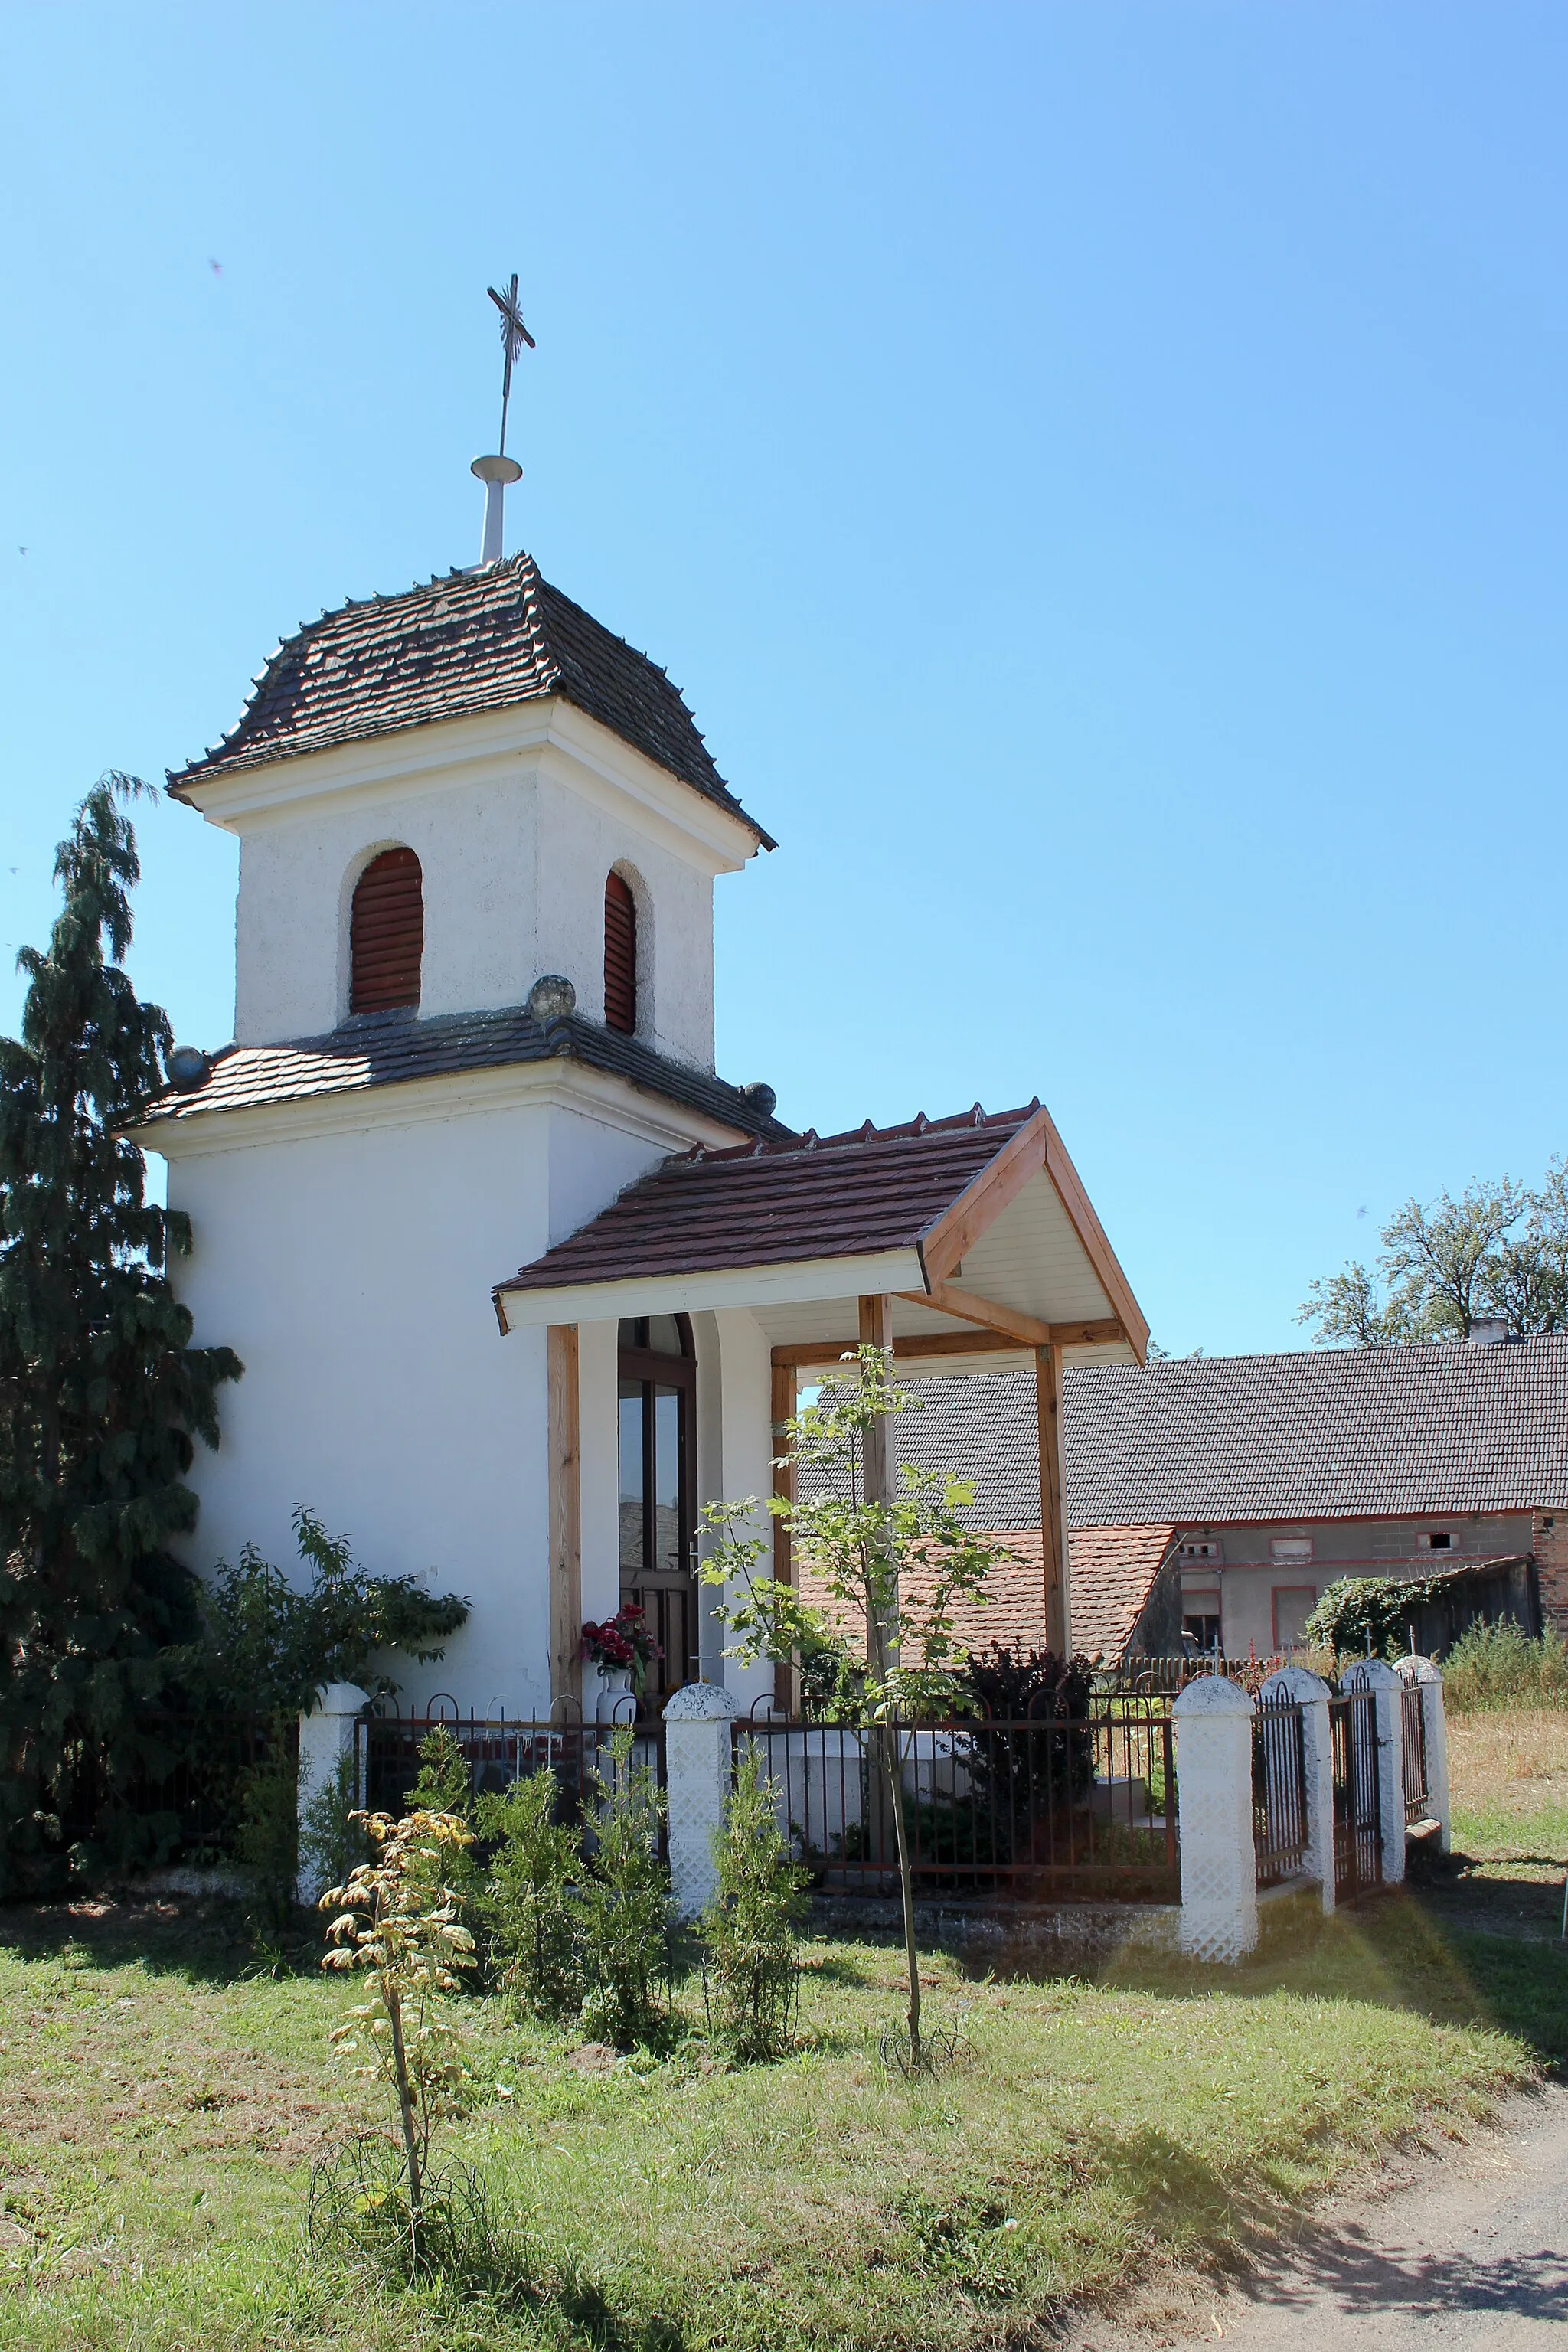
1112 1575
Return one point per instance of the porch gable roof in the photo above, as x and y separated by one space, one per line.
896 1209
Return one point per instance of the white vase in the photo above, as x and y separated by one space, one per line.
613 1701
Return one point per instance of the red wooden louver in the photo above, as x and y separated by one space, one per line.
387 933
620 957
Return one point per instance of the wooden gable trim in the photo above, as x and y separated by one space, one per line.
944 1243
1036 1148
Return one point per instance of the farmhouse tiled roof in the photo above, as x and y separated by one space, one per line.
1112 1572
869 1190
387 1049
470 641
1330 1433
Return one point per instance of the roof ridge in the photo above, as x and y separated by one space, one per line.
905 1130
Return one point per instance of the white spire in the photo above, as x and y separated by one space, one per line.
495 473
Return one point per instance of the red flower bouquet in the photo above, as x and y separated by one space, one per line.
622 1641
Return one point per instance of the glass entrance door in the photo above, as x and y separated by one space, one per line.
658 1493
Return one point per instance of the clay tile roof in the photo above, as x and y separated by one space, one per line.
387 1049
1112 1572
1323 1433
763 1204
472 641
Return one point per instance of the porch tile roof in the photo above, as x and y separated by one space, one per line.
467 642
765 1203
387 1049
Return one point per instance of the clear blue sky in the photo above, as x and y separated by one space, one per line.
1096 472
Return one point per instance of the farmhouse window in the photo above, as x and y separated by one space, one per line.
386 934
1290 1551
620 956
659 1490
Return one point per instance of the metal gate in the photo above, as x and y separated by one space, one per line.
1417 1796
1358 1813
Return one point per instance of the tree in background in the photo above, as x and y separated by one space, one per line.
101 1394
1499 1250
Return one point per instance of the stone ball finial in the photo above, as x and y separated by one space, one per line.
761 1096
189 1069
552 998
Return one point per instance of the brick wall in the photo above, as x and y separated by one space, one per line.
1549 1541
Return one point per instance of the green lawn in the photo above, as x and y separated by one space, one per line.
159 2111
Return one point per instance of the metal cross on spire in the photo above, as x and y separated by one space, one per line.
513 335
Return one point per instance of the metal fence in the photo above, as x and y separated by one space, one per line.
1169 1678
498 1750
185 1792
1035 1808
1418 1797
1279 1791
1358 1806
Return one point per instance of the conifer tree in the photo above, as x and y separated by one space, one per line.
101 1393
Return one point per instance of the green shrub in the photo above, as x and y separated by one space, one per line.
751 1925
625 1907
528 1904
1369 1616
1500 1666
267 1838
332 1844
446 1785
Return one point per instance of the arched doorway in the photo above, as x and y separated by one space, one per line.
659 1492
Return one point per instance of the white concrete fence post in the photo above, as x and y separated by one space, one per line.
699 1768
1387 1694
326 1737
1214 1816
1428 1679
1312 1694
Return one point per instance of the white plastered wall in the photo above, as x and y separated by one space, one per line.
580 842
348 1259
476 844
746 1449
515 842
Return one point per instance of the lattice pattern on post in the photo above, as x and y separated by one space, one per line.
1214 1769
698 1766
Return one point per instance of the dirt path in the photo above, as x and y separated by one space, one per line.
1468 2252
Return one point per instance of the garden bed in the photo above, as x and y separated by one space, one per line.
159 2110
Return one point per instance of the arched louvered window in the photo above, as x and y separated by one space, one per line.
387 933
620 956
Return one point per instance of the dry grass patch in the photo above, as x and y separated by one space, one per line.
1507 1771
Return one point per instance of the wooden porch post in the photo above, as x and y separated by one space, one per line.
782 1410
565 1515
1053 1524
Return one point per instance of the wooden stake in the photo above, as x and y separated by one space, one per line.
876 1464
783 1409
565 1515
